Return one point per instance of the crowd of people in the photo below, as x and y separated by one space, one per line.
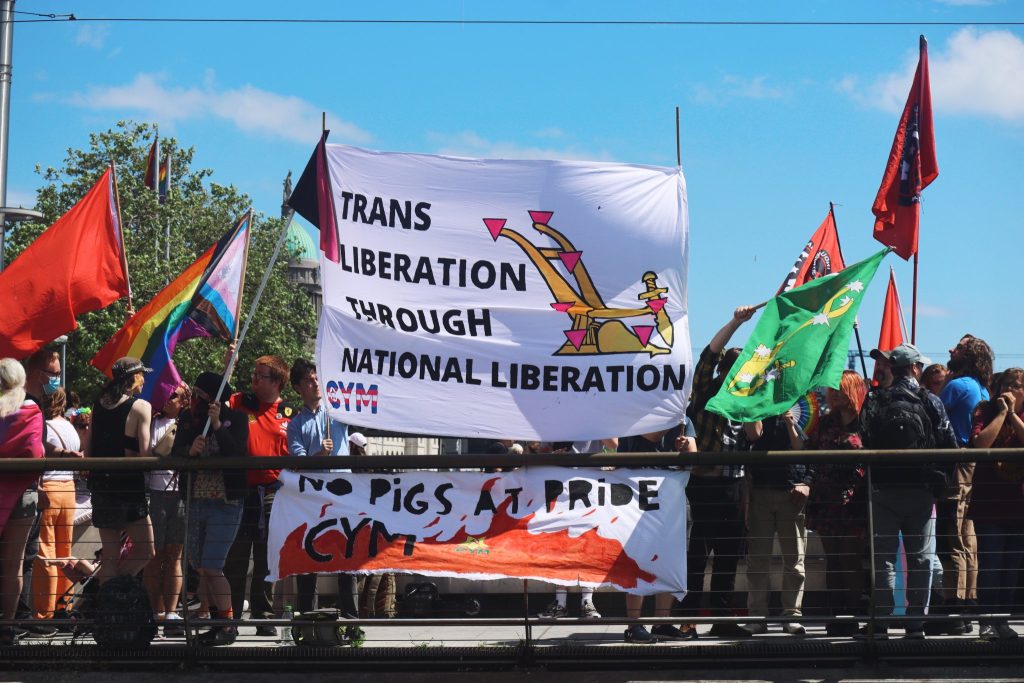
139 516
957 523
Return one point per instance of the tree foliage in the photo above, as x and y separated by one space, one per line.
197 212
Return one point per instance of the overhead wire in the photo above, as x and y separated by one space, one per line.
49 18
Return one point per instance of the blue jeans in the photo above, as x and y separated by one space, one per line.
212 526
908 510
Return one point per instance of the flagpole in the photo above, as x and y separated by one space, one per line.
679 157
899 303
922 50
245 268
167 222
120 234
856 320
252 311
156 161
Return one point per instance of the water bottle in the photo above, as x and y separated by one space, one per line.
285 637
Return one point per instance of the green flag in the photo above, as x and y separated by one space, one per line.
800 343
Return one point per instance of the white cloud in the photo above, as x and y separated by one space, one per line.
92 35
738 87
934 311
250 109
976 73
469 143
753 88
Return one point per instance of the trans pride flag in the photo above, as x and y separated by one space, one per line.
204 301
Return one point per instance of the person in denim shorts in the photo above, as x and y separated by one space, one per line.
214 496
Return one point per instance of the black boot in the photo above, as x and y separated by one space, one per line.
946 627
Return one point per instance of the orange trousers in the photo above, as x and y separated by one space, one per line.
56 525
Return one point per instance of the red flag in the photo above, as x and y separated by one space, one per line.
820 257
910 169
891 334
74 267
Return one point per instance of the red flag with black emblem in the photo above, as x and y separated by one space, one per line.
821 256
911 168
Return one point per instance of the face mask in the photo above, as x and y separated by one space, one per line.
52 385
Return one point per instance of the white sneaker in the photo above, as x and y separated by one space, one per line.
794 628
588 611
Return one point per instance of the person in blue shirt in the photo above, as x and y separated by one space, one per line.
970 373
308 434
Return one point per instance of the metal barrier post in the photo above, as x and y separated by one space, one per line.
189 638
527 628
872 625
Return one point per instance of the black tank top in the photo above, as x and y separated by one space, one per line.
109 441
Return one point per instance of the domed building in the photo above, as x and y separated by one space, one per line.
303 264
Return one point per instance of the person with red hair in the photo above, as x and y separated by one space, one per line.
837 510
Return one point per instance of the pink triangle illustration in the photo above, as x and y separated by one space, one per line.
657 304
575 337
494 225
563 306
570 259
541 216
643 332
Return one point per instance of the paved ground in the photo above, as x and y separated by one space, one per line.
410 633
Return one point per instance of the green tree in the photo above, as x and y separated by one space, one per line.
196 213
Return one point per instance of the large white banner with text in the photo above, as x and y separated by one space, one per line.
541 300
624 528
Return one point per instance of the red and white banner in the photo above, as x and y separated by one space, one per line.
625 528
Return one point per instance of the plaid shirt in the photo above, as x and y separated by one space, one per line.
714 432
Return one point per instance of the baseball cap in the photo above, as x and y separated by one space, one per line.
126 367
905 355
878 354
210 383
358 439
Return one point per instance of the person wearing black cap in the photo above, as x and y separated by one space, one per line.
215 506
120 428
904 416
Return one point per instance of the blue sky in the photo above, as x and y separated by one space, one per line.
776 120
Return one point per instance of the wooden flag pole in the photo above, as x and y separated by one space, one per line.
856 320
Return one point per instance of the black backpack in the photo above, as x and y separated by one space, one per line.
900 420
122 614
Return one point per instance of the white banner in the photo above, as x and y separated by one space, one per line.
541 300
624 528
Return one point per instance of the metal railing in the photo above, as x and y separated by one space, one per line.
530 649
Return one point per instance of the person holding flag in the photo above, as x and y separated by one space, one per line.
313 432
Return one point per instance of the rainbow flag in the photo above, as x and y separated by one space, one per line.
204 301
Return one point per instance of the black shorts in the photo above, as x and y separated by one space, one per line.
116 511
